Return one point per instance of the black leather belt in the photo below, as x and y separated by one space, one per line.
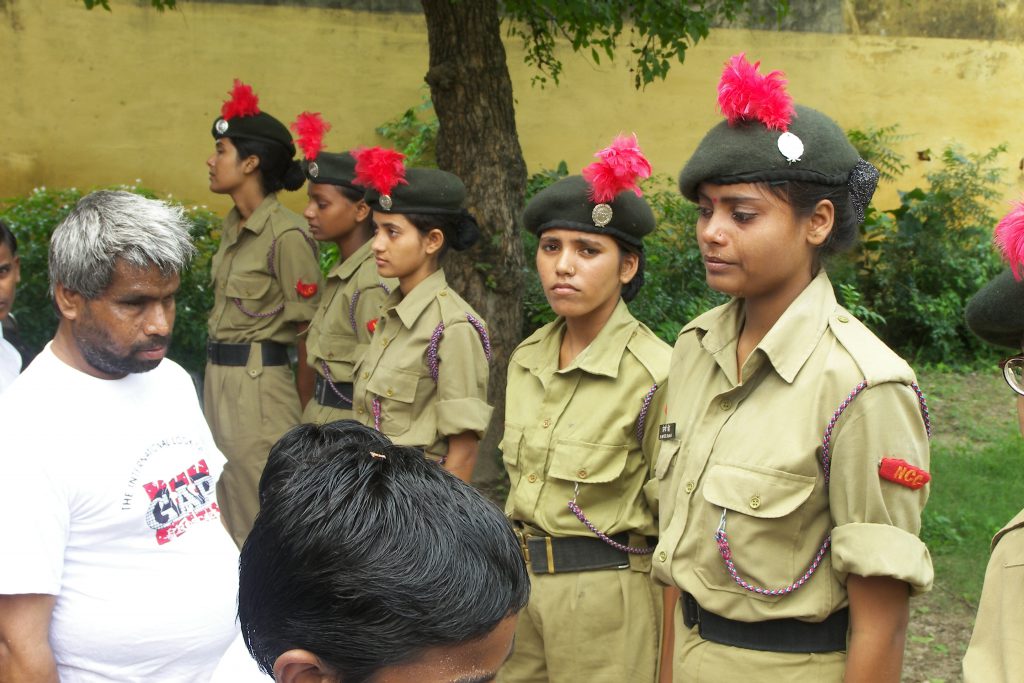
326 396
547 555
772 635
222 353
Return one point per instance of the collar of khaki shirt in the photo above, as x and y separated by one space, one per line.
259 218
347 268
601 357
409 307
789 343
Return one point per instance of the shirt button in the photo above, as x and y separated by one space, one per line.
253 373
755 502
389 393
330 354
690 486
384 343
366 375
546 423
360 411
843 319
442 293
532 478
662 556
582 474
726 404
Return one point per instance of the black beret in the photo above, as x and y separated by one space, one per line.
567 204
996 312
261 126
749 152
427 190
332 169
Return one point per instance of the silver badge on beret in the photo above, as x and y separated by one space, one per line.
791 147
314 170
385 202
601 215
221 126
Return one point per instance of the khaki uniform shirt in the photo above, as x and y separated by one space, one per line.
338 333
751 449
414 409
578 426
256 274
996 652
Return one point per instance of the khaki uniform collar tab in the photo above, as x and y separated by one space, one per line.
416 301
603 356
349 266
791 340
717 329
261 216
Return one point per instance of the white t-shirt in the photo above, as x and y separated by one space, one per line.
108 501
10 362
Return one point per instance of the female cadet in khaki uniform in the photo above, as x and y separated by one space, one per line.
581 435
423 379
337 212
266 282
794 448
996 314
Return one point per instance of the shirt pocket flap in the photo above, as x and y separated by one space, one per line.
395 384
510 444
247 285
757 491
592 463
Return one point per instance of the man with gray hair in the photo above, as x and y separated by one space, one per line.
116 565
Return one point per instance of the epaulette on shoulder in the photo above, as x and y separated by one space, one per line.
876 361
653 353
282 220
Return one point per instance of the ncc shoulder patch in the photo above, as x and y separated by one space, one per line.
667 431
903 473
305 290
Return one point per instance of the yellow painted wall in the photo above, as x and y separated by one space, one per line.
93 98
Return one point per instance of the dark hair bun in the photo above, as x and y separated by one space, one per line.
294 177
465 232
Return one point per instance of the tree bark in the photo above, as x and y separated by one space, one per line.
477 140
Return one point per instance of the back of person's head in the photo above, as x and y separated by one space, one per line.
107 226
369 556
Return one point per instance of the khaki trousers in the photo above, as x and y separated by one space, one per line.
696 660
595 626
248 408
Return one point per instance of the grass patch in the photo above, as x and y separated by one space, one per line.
977 453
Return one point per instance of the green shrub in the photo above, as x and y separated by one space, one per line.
32 219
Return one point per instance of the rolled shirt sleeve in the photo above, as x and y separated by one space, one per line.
297 262
462 382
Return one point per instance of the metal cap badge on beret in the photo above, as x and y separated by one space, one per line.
766 138
996 312
395 189
325 168
240 117
605 199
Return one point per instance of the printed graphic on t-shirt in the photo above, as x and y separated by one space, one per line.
185 499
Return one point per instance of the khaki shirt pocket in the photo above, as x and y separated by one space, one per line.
767 520
590 463
397 391
668 451
511 443
252 288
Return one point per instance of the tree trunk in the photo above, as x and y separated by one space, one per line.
477 140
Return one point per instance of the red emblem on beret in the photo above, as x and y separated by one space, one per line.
372 325
903 473
305 290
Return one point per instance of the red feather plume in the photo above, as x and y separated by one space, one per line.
310 128
379 168
1009 237
619 167
243 102
744 94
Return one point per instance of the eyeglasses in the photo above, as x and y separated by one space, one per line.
1013 372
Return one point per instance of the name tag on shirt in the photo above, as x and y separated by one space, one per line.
667 431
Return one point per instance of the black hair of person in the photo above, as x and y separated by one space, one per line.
368 561
7 237
278 170
461 230
803 197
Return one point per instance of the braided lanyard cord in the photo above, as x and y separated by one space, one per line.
722 539
352 309
273 273
578 511
330 383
